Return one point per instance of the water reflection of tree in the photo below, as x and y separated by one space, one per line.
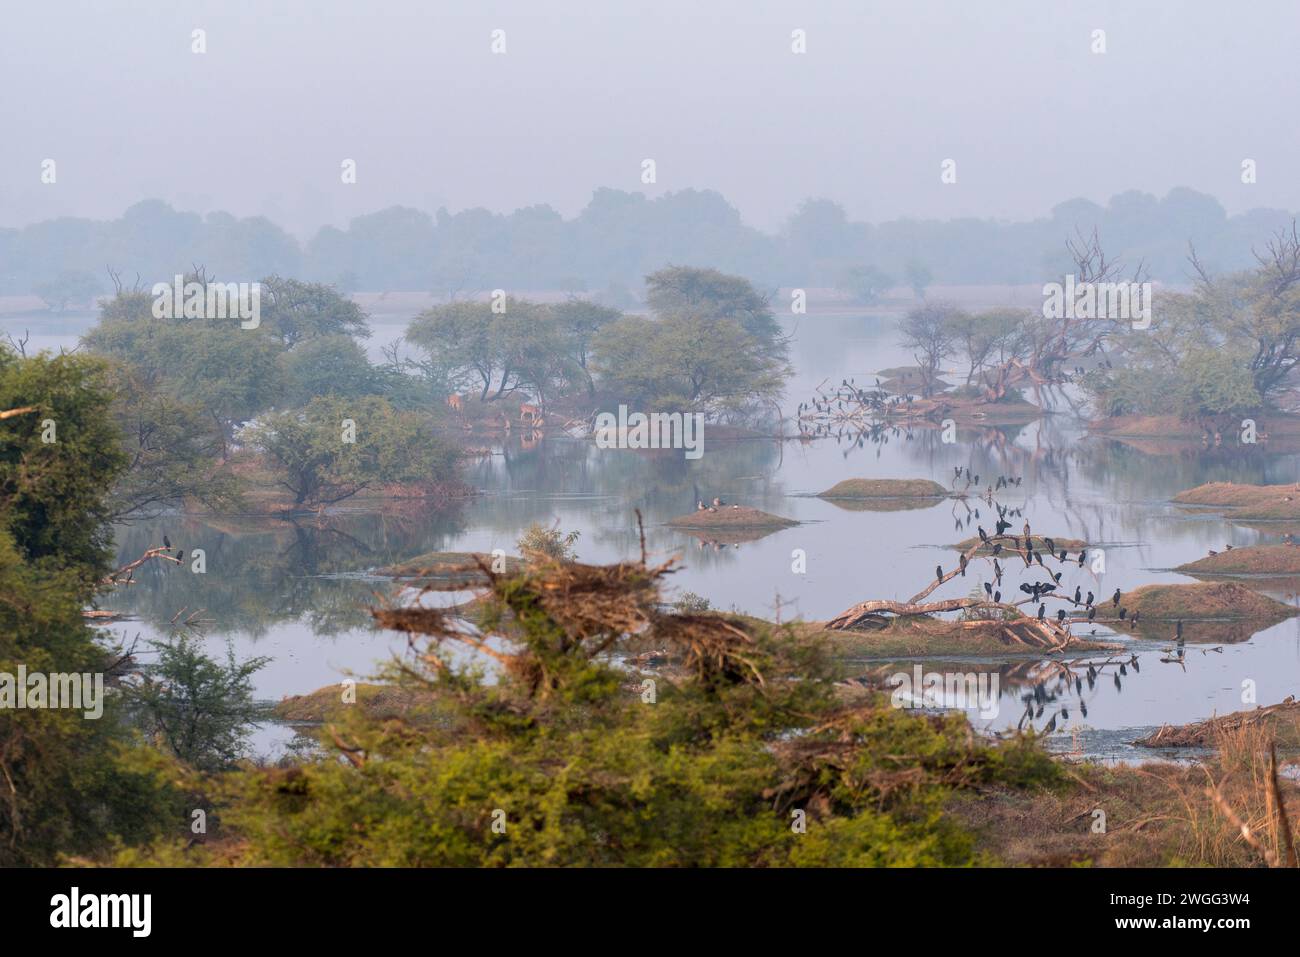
263 572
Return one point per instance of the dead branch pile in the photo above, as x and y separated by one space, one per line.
588 608
1047 633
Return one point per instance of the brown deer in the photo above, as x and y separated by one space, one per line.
530 414
454 401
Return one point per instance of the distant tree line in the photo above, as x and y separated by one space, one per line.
618 238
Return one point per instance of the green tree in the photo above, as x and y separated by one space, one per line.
867 284
297 311
331 364
681 364
929 331
322 460
58 460
174 450
707 296
458 340
579 321
198 709
69 286
72 785
918 276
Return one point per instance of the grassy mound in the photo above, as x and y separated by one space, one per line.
884 488
380 702
1257 502
1253 560
1279 722
729 517
1199 600
1071 545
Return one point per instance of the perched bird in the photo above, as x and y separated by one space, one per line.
1050 726
1062 555
1089 601
1134 619
997 596
180 554
1078 593
1082 556
938 572
1042 610
1051 546
997 548
984 536
167 543
1114 599
1122 613
961 560
988 589
1060 615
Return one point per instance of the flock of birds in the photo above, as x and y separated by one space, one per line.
856 415
717 504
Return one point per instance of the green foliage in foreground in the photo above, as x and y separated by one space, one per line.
68 784
557 756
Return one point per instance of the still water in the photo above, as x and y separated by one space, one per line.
297 592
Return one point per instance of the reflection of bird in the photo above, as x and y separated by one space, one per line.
1050 726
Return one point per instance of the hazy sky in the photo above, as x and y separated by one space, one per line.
709 89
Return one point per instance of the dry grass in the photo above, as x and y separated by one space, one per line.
1156 815
1072 545
1196 600
728 517
885 488
1253 560
1281 723
1256 502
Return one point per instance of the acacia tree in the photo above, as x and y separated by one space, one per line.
1053 345
1226 348
930 331
1260 308
580 320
